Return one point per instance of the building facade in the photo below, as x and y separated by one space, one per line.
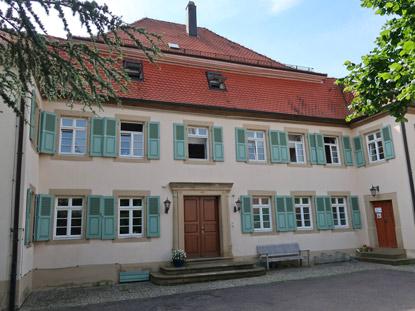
216 124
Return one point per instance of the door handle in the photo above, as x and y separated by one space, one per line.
203 229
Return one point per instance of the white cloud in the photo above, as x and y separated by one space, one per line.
281 5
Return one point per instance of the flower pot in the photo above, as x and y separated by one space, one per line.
178 262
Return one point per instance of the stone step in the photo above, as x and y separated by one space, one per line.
165 279
205 267
383 255
197 261
385 261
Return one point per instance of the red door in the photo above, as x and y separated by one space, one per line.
385 223
201 227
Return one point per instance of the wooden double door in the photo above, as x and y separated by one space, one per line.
385 223
201 227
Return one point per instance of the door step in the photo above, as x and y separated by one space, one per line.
205 272
393 257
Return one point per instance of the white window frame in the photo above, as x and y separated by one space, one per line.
333 148
297 145
301 206
377 144
74 129
255 140
69 209
130 208
132 134
197 135
260 206
336 210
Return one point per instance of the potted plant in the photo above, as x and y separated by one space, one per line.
178 257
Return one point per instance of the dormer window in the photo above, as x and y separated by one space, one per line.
216 81
134 69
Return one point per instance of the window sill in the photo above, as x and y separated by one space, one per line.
131 160
335 165
292 164
131 240
67 241
260 162
264 233
375 163
71 157
199 162
306 231
341 230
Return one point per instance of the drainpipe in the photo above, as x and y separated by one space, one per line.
16 216
408 165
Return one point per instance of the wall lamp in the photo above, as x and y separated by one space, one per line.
237 206
373 190
167 205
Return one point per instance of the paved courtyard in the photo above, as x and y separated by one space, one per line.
347 286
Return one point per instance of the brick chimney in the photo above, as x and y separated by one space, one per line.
191 24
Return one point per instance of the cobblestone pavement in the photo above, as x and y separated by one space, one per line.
72 297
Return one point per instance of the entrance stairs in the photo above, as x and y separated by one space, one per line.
387 256
196 271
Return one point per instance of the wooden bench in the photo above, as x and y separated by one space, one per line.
282 252
134 276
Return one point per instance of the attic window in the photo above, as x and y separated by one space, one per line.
134 69
216 81
174 46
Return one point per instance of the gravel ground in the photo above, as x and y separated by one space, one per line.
72 297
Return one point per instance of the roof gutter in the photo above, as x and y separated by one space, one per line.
408 165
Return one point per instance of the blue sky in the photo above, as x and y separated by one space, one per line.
321 34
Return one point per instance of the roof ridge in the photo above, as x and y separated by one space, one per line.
158 20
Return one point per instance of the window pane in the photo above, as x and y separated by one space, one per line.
81 123
60 231
62 202
203 132
137 202
124 202
131 127
124 222
124 214
124 230
67 122
76 231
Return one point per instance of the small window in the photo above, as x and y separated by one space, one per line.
338 206
303 213
130 217
296 144
197 140
331 148
73 136
256 146
262 214
134 69
132 140
216 81
375 147
68 217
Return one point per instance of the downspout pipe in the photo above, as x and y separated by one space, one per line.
16 216
408 165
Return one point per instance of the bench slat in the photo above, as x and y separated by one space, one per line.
134 276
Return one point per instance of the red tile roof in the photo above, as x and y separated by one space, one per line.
207 44
186 85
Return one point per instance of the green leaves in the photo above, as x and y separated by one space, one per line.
74 69
383 81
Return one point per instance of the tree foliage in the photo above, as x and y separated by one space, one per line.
66 68
385 80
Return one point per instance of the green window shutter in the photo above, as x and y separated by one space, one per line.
39 132
97 137
180 146
321 154
323 204
358 151
217 142
312 148
278 142
356 217
329 212
108 218
43 225
388 142
27 220
110 137
153 216
246 214
48 130
240 142
93 217
153 140
347 151
284 212
32 116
